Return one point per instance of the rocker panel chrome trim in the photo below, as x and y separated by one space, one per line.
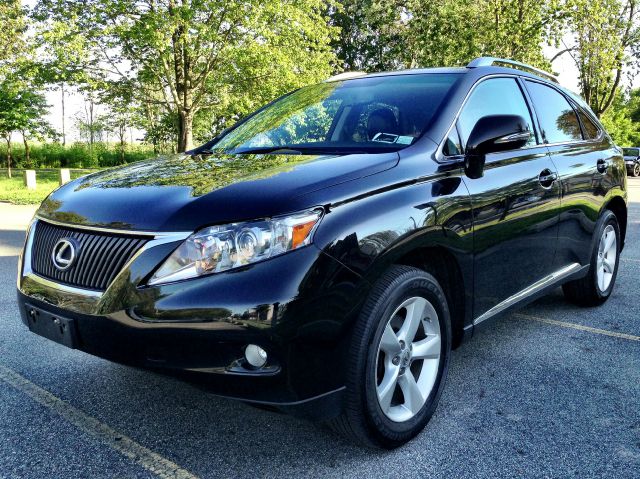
536 287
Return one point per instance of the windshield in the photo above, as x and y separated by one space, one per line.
631 151
363 115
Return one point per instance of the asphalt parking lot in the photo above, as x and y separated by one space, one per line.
550 391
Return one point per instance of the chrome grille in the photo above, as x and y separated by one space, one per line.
101 256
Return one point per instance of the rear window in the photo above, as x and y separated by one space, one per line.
631 151
371 114
557 117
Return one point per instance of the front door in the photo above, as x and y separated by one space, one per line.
515 204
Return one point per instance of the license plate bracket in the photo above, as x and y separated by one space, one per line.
52 326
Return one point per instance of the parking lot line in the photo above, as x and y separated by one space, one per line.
580 327
631 260
139 454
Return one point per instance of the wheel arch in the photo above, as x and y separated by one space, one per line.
443 265
618 207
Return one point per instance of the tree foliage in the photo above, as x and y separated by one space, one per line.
422 33
605 43
21 110
12 27
22 105
371 34
622 120
194 55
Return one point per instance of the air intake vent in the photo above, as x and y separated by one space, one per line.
100 256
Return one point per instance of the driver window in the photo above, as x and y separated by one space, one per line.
499 96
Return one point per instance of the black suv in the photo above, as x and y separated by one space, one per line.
325 254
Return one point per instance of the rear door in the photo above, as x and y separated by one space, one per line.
515 204
583 156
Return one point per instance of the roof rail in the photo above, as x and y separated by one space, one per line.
488 61
345 76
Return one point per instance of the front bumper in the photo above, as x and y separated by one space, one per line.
299 307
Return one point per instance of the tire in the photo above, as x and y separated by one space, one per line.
596 287
635 171
371 361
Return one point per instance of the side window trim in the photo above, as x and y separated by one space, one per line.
582 112
575 110
442 158
532 111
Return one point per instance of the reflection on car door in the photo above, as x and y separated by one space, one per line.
515 204
583 158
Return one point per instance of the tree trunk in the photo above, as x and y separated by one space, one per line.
91 130
122 132
64 135
185 131
7 137
27 150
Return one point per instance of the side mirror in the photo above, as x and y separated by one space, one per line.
492 134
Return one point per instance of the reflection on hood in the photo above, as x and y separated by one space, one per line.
202 173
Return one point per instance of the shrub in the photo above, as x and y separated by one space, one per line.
76 155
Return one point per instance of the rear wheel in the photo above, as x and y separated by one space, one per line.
636 169
398 360
596 287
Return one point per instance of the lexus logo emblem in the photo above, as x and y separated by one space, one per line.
64 253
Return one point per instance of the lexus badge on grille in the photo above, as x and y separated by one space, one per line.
64 253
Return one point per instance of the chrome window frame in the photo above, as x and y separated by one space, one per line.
575 106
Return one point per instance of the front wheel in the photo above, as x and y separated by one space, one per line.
635 171
398 360
595 288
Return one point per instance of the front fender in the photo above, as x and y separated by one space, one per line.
370 233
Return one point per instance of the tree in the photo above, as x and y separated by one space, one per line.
605 42
452 32
379 35
12 27
65 61
371 34
119 99
621 119
199 55
21 110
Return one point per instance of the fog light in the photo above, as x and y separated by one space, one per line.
255 355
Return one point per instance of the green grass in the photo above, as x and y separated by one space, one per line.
14 191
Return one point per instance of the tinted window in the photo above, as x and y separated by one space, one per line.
557 118
500 96
589 128
367 114
631 151
452 146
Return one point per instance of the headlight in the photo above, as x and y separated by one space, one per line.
221 248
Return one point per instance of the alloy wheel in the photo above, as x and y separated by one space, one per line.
408 358
636 169
607 254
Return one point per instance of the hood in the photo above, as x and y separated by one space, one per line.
184 193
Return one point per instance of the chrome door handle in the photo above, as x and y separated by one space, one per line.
547 177
602 166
